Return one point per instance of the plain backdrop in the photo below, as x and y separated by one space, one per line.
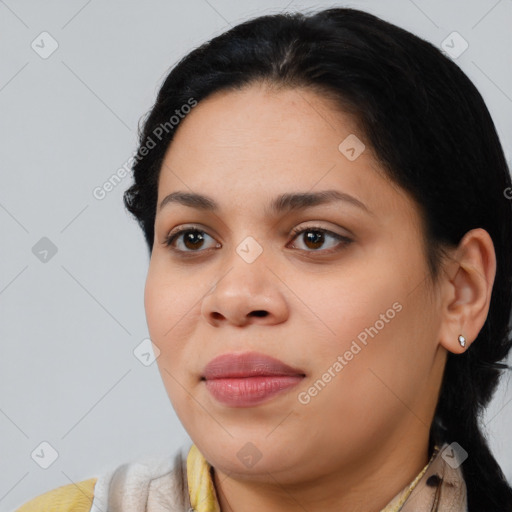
75 78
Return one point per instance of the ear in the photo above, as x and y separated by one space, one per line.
466 293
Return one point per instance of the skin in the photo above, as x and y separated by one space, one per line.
364 437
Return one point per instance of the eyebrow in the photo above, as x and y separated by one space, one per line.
281 204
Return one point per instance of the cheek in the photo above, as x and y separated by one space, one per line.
168 314
172 302
347 305
157 301
358 390
371 332
168 299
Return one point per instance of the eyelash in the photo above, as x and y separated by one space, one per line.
344 241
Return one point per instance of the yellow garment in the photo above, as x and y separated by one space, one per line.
203 497
201 489
72 497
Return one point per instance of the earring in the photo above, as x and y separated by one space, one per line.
462 340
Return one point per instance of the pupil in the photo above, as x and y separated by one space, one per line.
315 237
190 238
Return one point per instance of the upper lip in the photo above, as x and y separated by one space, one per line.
247 364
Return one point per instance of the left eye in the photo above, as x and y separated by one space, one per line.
316 237
192 239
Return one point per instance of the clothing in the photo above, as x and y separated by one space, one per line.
186 484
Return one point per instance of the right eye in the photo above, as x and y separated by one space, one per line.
190 238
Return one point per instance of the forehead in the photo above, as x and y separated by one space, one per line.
258 120
269 142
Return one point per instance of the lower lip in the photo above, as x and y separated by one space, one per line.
248 391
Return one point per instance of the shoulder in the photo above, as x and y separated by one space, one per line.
76 497
151 483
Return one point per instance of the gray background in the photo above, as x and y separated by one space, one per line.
70 324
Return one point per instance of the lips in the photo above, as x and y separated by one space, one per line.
249 379
247 364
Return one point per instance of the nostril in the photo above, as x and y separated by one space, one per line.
259 313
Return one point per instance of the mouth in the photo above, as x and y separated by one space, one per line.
248 379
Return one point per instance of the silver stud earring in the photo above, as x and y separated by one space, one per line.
462 340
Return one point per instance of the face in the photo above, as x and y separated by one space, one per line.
336 289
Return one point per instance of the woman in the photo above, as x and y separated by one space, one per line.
324 200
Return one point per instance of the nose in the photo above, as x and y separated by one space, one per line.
246 293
